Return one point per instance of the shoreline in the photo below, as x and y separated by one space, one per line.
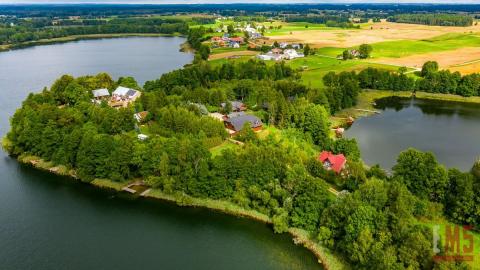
325 257
367 98
40 42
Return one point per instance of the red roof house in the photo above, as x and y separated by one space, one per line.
237 39
332 162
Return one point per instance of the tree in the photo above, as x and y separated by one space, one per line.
204 51
365 50
429 68
347 55
230 29
306 50
317 124
422 174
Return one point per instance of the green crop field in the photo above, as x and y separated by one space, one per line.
446 42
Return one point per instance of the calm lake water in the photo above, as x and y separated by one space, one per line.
50 222
450 130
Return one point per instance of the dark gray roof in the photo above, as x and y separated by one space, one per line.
236 105
131 93
239 121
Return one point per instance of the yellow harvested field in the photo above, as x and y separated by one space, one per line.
231 54
453 59
377 32
469 68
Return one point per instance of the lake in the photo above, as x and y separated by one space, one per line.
52 222
450 130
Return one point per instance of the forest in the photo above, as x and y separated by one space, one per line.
433 19
374 224
19 31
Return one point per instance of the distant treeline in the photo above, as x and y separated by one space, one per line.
432 80
433 19
223 9
34 30
328 20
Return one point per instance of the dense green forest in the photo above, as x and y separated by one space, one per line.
18 31
374 225
433 19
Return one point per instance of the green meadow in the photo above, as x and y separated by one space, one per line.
401 48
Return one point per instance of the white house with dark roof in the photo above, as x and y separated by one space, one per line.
99 95
122 96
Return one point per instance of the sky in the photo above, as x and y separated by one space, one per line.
231 1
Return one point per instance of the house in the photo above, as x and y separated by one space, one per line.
141 116
332 162
237 106
276 51
234 45
283 45
292 54
216 39
123 96
236 122
238 40
355 53
100 94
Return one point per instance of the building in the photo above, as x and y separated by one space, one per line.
141 116
238 40
123 96
236 122
332 162
234 45
292 54
100 94
237 106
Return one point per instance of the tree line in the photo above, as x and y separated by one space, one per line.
431 80
433 19
26 31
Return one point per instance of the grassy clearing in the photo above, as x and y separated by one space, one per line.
402 48
316 66
217 150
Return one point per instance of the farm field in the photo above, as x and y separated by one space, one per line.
371 33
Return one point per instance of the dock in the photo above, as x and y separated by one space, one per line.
369 111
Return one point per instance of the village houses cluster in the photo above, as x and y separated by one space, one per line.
234 121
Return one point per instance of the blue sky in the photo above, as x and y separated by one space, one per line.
235 1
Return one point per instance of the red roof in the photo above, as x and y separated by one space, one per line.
335 162
236 39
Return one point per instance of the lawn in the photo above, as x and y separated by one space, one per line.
316 66
402 48
217 150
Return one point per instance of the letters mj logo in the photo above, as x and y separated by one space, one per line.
453 242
